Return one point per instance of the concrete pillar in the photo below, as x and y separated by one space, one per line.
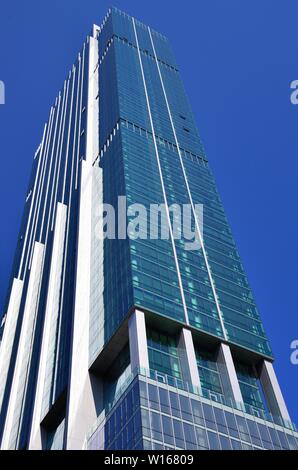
272 392
84 389
228 375
138 341
188 360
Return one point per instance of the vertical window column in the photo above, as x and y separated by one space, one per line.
188 361
272 392
138 341
229 376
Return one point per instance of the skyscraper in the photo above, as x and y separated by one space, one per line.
130 342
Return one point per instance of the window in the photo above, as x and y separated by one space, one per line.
197 412
243 430
232 425
220 420
164 401
236 445
156 426
167 430
185 408
202 438
213 441
163 354
254 434
283 440
209 416
175 408
274 438
250 387
178 431
208 371
145 423
153 397
189 432
225 443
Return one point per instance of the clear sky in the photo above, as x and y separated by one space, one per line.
237 59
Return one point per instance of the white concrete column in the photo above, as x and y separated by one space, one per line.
35 440
188 360
228 375
11 319
84 390
138 341
272 392
28 325
81 410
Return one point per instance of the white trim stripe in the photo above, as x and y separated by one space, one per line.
68 136
80 115
161 176
20 275
39 197
189 192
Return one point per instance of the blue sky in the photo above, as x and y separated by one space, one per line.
237 59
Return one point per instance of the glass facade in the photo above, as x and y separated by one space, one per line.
151 153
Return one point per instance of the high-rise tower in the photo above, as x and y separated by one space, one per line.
130 342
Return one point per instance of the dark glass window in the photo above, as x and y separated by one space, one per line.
208 370
232 425
163 353
209 416
153 397
178 431
197 412
249 385
189 433
213 441
185 408
202 438
167 430
156 426
225 443
175 407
